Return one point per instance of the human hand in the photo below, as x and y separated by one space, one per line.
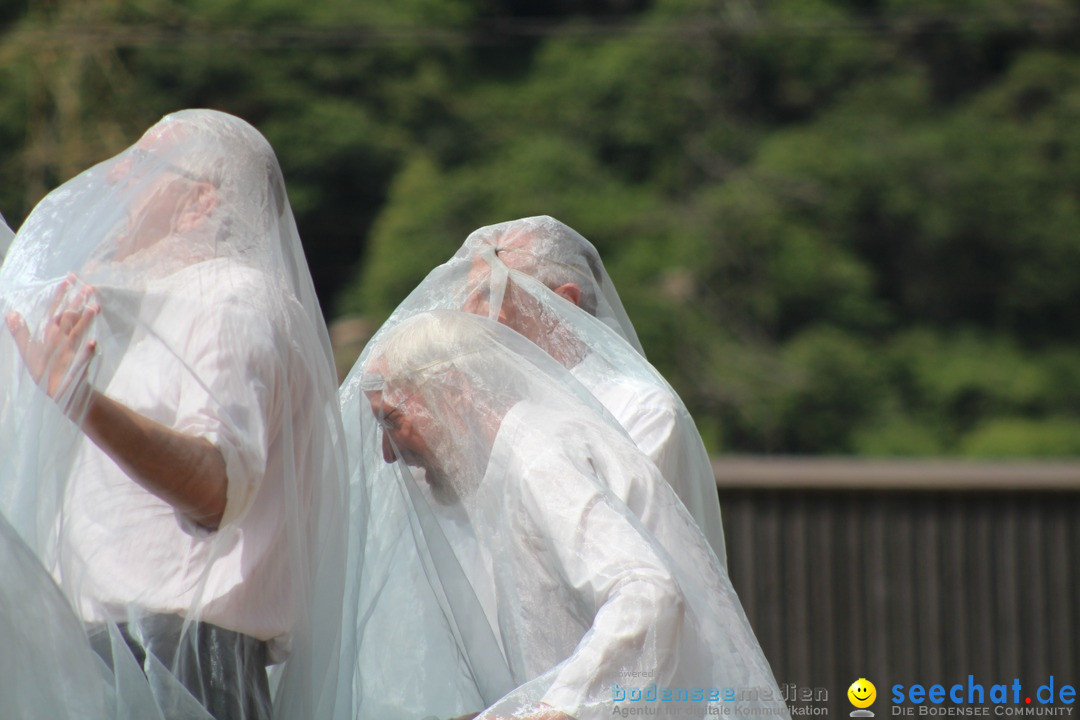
60 359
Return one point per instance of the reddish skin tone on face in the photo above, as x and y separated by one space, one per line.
401 429
521 312
171 203
407 433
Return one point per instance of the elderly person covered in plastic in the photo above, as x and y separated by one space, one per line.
524 474
177 465
544 280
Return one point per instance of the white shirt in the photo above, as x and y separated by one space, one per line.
661 428
205 360
581 579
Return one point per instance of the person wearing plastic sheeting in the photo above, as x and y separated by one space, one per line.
566 266
179 467
5 238
590 612
549 284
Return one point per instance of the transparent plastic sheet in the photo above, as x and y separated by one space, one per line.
425 648
46 665
584 567
6 234
543 279
556 255
174 276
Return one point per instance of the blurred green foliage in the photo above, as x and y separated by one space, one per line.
838 226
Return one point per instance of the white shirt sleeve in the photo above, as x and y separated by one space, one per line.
230 396
611 567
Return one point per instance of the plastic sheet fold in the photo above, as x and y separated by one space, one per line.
541 278
6 235
559 572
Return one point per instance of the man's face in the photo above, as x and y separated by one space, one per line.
158 191
402 430
153 214
411 434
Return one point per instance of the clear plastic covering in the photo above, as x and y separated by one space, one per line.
561 259
170 429
6 234
543 279
46 666
545 566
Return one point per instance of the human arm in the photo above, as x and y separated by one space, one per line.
617 578
186 471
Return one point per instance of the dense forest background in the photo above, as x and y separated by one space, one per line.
839 226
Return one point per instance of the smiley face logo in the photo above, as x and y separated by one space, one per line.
862 693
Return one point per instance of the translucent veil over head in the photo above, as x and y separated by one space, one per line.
175 275
556 255
543 279
564 575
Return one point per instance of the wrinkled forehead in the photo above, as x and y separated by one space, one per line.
394 399
382 386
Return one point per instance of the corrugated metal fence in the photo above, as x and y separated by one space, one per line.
909 572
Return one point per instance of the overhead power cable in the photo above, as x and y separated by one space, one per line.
505 30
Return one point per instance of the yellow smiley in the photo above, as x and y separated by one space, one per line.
862 693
